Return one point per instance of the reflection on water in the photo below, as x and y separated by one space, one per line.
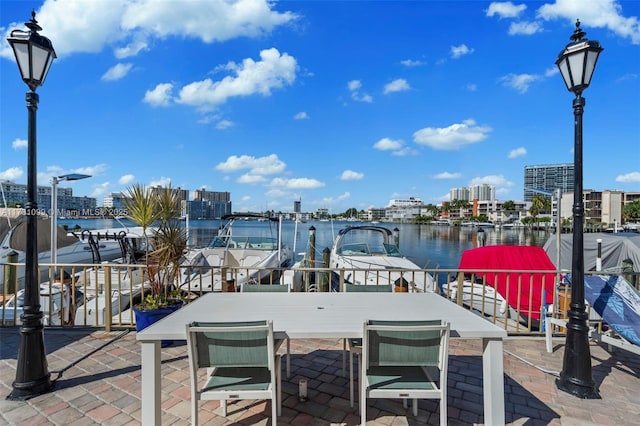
428 246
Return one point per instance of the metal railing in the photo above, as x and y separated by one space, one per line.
102 295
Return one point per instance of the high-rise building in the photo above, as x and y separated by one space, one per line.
209 204
483 192
547 178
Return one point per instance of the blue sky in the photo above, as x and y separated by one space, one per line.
338 103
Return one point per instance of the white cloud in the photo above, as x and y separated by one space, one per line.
331 200
224 124
163 182
412 63
495 180
452 137
459 51
160 95
629 177
448 175
519 82
19 144
130 26
505 9
472 87
126 179
272 71
92 171
398 85
354 87
117 72
386 144
100 189
11 174
351 175
298 183
599 14
251 179
268 165
518 152
524 28
301 116
132 49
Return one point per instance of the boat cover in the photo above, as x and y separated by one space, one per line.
615 250
617 302
523 291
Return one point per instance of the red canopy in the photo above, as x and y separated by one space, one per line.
523 291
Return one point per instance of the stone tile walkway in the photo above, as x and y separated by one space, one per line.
97 381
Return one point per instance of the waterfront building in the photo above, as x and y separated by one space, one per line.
547 178
460 194
411 202
599 206
16 194
114 200
482 192
209 204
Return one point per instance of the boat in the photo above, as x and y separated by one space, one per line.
242 252
55 305
478 297
370 257
476 224
440 222
72 247
118 284
609 252
516 274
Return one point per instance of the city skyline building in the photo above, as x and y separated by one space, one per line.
547 178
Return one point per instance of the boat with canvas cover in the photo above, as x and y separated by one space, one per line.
524 276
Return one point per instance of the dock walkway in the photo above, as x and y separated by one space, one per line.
97 377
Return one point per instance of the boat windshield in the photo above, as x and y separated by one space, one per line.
242 242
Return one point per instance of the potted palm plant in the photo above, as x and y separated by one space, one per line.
160 208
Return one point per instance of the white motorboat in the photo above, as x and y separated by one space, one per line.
370 257
122 281
479 298
247 249
81 248
55 304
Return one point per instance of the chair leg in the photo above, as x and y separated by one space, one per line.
223 404
344 357
194 411
288 358
278 401
415 407
362 394
351 378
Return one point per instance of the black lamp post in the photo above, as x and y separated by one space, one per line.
34 55
576 63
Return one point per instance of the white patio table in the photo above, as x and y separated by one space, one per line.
323 315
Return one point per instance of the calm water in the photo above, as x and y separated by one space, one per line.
427 246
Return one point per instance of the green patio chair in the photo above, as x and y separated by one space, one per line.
355 345
406 360
240 361
272 288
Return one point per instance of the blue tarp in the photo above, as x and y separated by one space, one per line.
617 302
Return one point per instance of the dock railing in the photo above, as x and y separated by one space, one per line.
102 295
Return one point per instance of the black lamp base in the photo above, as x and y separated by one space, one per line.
579 389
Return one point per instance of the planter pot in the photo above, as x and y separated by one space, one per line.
144 318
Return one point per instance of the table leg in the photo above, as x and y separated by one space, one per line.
151 383
493 381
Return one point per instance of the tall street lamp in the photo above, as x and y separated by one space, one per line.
576 63
54 212
34 55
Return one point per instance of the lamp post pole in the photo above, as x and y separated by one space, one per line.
34 54
577 63
54 213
